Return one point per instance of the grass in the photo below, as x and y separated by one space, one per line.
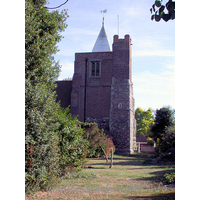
128 179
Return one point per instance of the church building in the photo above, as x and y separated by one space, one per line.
101 90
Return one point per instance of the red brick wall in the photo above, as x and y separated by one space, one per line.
64 93
122 58
97 90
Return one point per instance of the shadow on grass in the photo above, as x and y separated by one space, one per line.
166 196
127 160
133 159
158 175
125 163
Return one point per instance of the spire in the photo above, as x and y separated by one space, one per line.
103 22
102 43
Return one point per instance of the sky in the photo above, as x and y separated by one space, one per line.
153 49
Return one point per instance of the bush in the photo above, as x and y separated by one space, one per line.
150 141
99 143
169 178
41 138
71 142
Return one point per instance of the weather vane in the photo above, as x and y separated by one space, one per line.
103 11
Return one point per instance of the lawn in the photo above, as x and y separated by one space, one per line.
127 179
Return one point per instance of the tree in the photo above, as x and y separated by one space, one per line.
144 119
99 143
163 131
161 13
47 129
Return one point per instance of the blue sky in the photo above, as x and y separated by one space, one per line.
153 49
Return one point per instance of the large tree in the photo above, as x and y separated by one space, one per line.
42 33
163 131
144 119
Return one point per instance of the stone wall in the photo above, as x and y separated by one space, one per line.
122 120
103 123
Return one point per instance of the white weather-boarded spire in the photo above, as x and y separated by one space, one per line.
102 43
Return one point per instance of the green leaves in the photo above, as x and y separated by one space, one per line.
144 119
160 13
71 142
163 130
158 3
42 33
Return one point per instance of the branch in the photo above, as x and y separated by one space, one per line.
104 153
58 6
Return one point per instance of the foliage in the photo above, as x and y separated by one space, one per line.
169 178
41 141
161 158
161 13
144 119
150 141
41 36
98 141
110 145
71 142
53 140
167 141
163 131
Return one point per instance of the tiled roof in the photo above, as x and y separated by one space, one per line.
141 139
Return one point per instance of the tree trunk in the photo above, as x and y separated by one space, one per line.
111 162
104 153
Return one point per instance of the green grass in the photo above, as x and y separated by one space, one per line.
128 179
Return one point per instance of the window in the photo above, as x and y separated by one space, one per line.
95 69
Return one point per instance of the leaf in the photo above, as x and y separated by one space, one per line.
152 17
153 6
161 8
172 14
170 5
158 3
151 10
157 18
166 17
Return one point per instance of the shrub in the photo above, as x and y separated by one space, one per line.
169 178
71 142
99 143
150 141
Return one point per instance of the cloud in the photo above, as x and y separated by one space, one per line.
67 70
150 83
168 53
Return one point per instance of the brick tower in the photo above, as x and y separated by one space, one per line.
102 90
122 120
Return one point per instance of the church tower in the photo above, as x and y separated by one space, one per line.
102 90
122 120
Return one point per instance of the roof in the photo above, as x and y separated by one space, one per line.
102 43
141 139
